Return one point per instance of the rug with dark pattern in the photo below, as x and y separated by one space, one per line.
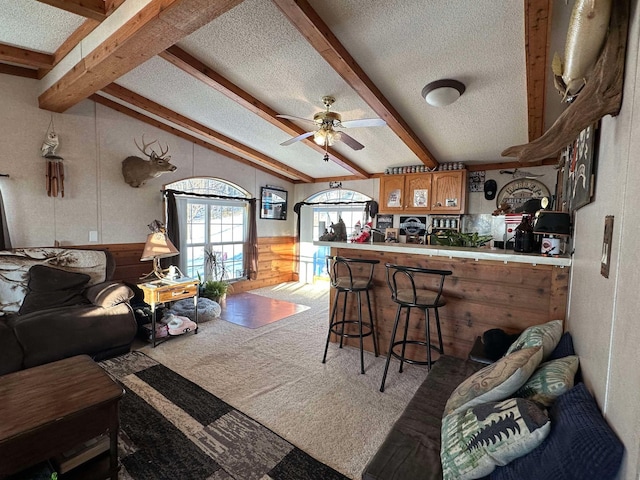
170 428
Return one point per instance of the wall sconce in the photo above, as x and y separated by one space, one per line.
442 92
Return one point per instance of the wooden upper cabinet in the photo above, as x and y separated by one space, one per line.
391 194
449 191
435 192
417 193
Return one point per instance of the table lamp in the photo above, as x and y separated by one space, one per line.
552 226
156 247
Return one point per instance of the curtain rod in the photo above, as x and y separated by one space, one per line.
206 195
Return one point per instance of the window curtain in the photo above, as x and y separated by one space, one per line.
5 241
250 245
173 227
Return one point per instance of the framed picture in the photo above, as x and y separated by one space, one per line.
273 203
383 222
579 169
413 225
392 235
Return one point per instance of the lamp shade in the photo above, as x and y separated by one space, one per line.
158 246
552 223
442 92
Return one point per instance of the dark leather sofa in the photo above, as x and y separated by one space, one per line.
98 321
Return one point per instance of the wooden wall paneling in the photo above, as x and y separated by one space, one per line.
481 295
275 262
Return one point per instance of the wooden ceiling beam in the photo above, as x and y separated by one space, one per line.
537 17
318 34
156 109
476 167
202 72
18 71
22 56
88 26
94 9
179 133
157 26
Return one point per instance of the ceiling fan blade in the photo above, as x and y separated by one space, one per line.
350 141
298 119
297 139
364 122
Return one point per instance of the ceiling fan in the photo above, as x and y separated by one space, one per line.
327 122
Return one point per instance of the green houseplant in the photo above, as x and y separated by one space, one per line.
216 286
457 239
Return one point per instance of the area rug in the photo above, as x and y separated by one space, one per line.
170 428
253 311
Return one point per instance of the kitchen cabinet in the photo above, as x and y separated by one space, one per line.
433 192
449 191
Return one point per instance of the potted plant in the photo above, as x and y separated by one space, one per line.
215 290
457 239
216 286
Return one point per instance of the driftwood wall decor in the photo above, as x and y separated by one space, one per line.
602 95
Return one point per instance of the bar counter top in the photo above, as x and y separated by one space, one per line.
481 253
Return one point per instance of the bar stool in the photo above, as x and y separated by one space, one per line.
351 275
402 283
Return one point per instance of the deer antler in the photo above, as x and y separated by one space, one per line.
163 152
145 146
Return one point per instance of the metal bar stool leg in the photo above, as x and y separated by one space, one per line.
331 320
393 337
441 345
427 322
373 330
404 338
360 332
344 313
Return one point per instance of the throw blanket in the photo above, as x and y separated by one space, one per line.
15 265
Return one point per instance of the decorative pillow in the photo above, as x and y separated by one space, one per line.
51 287
580 445
496 381
550 380
547 335
475 441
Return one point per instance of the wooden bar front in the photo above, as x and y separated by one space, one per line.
481 295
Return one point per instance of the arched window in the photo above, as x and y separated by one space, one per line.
331 206
211 228
331 209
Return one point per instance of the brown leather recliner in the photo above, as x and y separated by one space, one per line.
101 324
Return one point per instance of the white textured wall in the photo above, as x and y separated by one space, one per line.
603 313
93 141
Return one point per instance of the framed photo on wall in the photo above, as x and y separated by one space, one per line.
273 203
579 169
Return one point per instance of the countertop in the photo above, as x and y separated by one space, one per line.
482 253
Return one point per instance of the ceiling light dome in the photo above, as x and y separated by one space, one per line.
442 92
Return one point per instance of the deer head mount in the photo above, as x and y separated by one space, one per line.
136 171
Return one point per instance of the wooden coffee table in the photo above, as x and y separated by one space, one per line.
49 409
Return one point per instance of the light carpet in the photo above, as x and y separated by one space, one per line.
275 375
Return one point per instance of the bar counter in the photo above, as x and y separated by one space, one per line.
488 289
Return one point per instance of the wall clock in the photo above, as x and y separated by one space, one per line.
517 192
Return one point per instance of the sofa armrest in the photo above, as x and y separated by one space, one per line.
108 294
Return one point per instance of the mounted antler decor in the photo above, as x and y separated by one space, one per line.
136 171
602 95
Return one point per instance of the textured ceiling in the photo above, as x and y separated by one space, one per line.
401 45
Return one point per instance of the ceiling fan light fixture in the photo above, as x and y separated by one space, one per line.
320 137
442 92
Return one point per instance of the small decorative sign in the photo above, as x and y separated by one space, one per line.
518 192
335 184
413 225
476 181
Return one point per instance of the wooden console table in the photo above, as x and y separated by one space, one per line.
159 292
52 408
